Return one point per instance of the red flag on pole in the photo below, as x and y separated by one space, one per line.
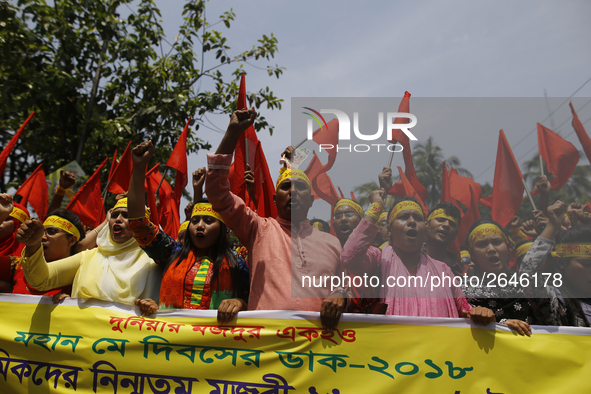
409 191
122 174
113 165
264 185
561 156
11 144
328 135
34 192
88 204
445 190
151 184
581 133
409 167
167 212
507 185
178 160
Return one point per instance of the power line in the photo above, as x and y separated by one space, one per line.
535 128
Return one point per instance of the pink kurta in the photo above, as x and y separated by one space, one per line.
442 301
279 255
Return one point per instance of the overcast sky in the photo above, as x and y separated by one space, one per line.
429 48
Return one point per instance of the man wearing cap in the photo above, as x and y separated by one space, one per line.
442 230
282 250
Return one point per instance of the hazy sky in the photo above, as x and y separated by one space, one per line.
429 48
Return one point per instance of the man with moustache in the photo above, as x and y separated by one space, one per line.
442 230
404 259
282 250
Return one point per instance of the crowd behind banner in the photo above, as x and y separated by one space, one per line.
404 259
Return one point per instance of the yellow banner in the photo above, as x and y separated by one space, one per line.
98 347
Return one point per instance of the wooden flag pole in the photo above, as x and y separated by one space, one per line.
391 158
528 194
161 180
541 165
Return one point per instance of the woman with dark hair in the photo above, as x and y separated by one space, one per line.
565 300
201 272
63 233
491 251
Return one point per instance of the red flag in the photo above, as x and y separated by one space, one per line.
469 217
328 135
113 165
34 191
178 160
122 174
561 156
151 184
264 185
88 204
486 201
409 191
581 133
167 212
460 186
464 193
11 144
507 186
409 167
322 186
588 206
445 192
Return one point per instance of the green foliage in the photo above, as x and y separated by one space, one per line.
97 79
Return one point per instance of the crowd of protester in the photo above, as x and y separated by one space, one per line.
128 259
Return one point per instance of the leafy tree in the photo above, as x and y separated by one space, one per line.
97 79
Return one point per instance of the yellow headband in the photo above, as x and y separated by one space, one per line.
62 224
523 248
465 253
351 203
402 206
573 250
440 213
319 226
383 216
19 214
204 208
293 173
184 226
484 230
122 203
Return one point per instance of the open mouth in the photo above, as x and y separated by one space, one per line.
494 260
44 247
200 235
117 229
345 229
412 234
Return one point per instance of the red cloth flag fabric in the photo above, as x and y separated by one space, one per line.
11 144
88 204
561 156
150 185
328 135
113 165
322 186
122 174
411 192
167 212
264 185
34 192
486 201
507 185
469 217
409 167
445 191
581 133
178 161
